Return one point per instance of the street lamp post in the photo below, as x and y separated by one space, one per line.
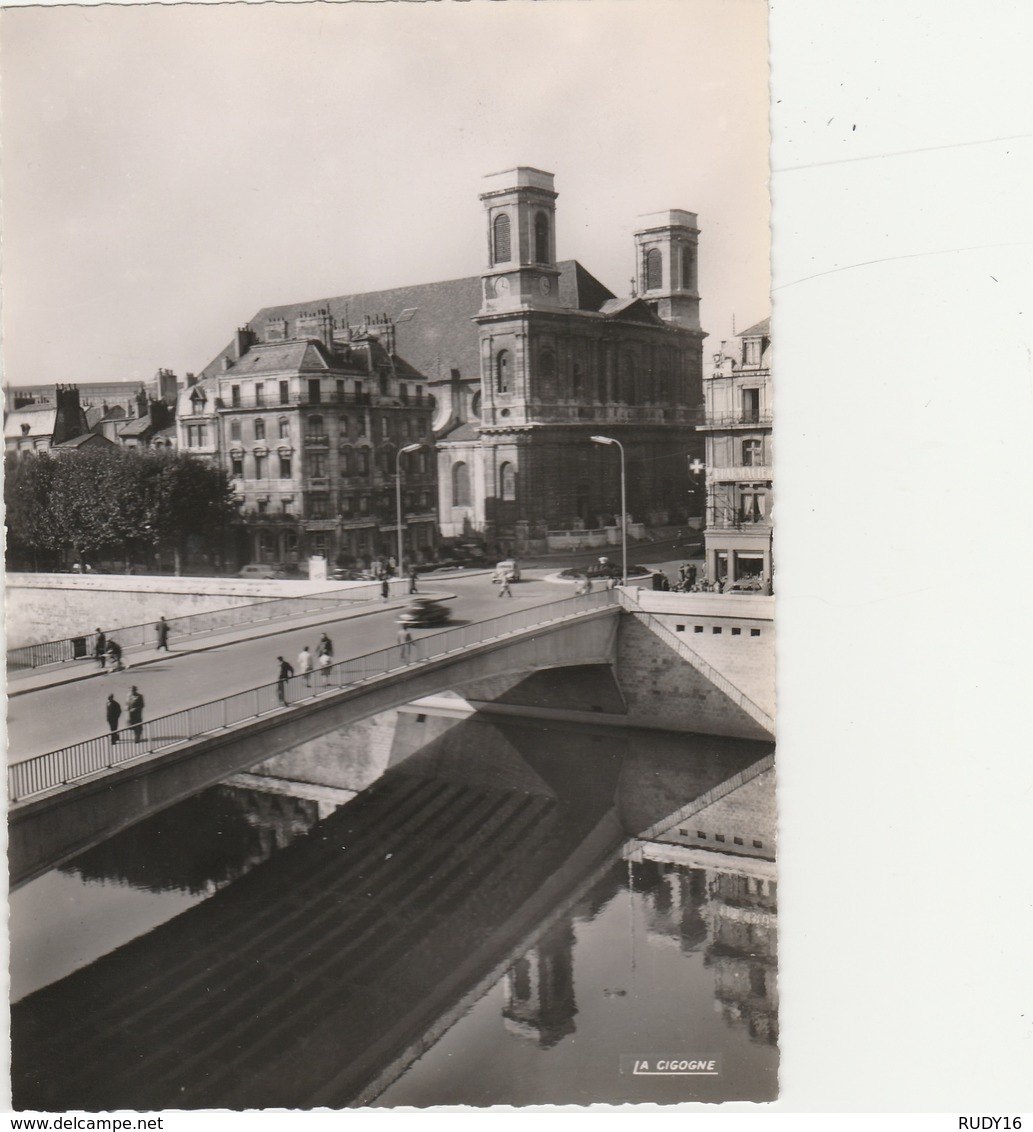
624 505
398 497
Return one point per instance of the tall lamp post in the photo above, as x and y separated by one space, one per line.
398 496
624 505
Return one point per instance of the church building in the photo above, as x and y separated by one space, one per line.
526 362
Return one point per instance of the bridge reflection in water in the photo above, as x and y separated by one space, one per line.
478 885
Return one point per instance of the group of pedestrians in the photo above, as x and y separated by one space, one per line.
134 715
307 663
107 649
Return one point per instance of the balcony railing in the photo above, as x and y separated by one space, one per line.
614 414
736 420
307 399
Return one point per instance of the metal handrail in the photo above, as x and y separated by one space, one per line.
132 636
93 756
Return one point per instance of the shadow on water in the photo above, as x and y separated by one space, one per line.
422 943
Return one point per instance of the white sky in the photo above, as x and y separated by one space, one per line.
169 170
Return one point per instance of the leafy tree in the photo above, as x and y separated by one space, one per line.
115 500
28 485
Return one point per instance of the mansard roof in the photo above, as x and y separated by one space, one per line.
432 321
297 356
760 329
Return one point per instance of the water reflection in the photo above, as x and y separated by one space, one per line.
202 844
623 946
477 901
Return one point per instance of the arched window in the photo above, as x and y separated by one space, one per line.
688 269
541 238
654 270
460 485
259 429
502 372
501 252
475 405
507 481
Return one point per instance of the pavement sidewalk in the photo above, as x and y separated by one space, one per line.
71 671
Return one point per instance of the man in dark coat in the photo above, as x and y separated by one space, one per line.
286 672
134 708
162 629
114 713
100 650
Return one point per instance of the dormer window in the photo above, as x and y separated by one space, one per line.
197 405
751 352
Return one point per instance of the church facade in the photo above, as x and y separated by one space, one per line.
524 363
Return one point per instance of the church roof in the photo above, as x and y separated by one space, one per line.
433 328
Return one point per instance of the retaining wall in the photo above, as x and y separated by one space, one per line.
50 607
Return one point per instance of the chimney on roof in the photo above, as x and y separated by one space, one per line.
191 380
243 340
69 420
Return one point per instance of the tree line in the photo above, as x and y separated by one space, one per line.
123 503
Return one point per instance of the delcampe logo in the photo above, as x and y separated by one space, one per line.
665 1065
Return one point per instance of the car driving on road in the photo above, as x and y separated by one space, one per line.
424 611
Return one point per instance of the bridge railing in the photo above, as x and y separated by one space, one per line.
104 752
83 647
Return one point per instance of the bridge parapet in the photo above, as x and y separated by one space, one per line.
63 768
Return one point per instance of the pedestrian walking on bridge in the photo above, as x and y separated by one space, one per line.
134 717
286 672
405 643
305 665
504 590
100 650
113 710
162 629
115 656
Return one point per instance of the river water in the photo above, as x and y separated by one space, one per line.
514 940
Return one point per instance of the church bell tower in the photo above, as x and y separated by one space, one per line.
666 245
520 213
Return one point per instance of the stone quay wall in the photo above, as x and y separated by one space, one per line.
51 607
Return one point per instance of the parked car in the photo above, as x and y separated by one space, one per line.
507 569
259 570
423 611
350 576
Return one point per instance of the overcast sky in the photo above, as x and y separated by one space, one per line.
169 170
